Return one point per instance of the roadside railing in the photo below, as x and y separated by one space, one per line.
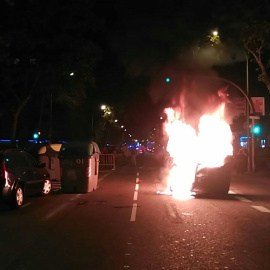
107 161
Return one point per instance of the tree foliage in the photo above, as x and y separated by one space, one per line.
248 26
41 43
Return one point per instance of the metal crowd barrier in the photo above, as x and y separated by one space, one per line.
107 161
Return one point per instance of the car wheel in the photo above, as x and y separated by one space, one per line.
18 197
47 188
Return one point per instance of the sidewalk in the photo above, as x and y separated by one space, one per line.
251 176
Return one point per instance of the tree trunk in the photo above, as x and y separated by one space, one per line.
16 117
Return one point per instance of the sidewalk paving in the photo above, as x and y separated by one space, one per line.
249 176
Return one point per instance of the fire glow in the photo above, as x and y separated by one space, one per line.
208 146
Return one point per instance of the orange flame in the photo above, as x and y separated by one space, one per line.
209 148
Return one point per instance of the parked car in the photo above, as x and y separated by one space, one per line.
22 175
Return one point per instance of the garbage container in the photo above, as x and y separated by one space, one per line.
213 180
79 162
48 154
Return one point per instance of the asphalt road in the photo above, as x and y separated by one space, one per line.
126 225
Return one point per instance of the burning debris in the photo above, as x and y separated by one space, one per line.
207 145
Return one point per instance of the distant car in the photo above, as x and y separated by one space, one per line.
21 175
213 181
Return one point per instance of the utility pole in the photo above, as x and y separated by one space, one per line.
51 116
248 113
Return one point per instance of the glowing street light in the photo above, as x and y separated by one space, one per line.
103 107
215 33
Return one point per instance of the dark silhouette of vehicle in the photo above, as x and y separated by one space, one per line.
21 175
214 181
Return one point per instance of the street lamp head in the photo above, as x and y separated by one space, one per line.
103 107
215 33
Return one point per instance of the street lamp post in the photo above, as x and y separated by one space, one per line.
248 114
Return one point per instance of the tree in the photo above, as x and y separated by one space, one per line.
40 45
247 26
256 40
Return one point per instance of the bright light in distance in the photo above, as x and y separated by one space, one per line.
71 74
122 126
215 33
103 107
115 120
160 117
109 112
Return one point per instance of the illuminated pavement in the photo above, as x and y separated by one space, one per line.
124 224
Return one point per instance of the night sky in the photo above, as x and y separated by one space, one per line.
145 43
141 43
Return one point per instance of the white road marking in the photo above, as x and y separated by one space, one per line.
61 207
133 213
102 178
242 199
261 209
57 210
75 197
135 198
24 205
234 191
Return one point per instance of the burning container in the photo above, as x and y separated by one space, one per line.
213 180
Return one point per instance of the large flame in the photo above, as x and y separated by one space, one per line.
209 147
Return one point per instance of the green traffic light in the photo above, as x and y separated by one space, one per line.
256 130
168 79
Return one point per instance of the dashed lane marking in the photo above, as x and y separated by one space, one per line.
135 198
242 199
133 212
261 209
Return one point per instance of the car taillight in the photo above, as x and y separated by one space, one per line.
5 175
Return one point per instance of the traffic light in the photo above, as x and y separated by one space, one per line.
36 135
256 130
168 79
